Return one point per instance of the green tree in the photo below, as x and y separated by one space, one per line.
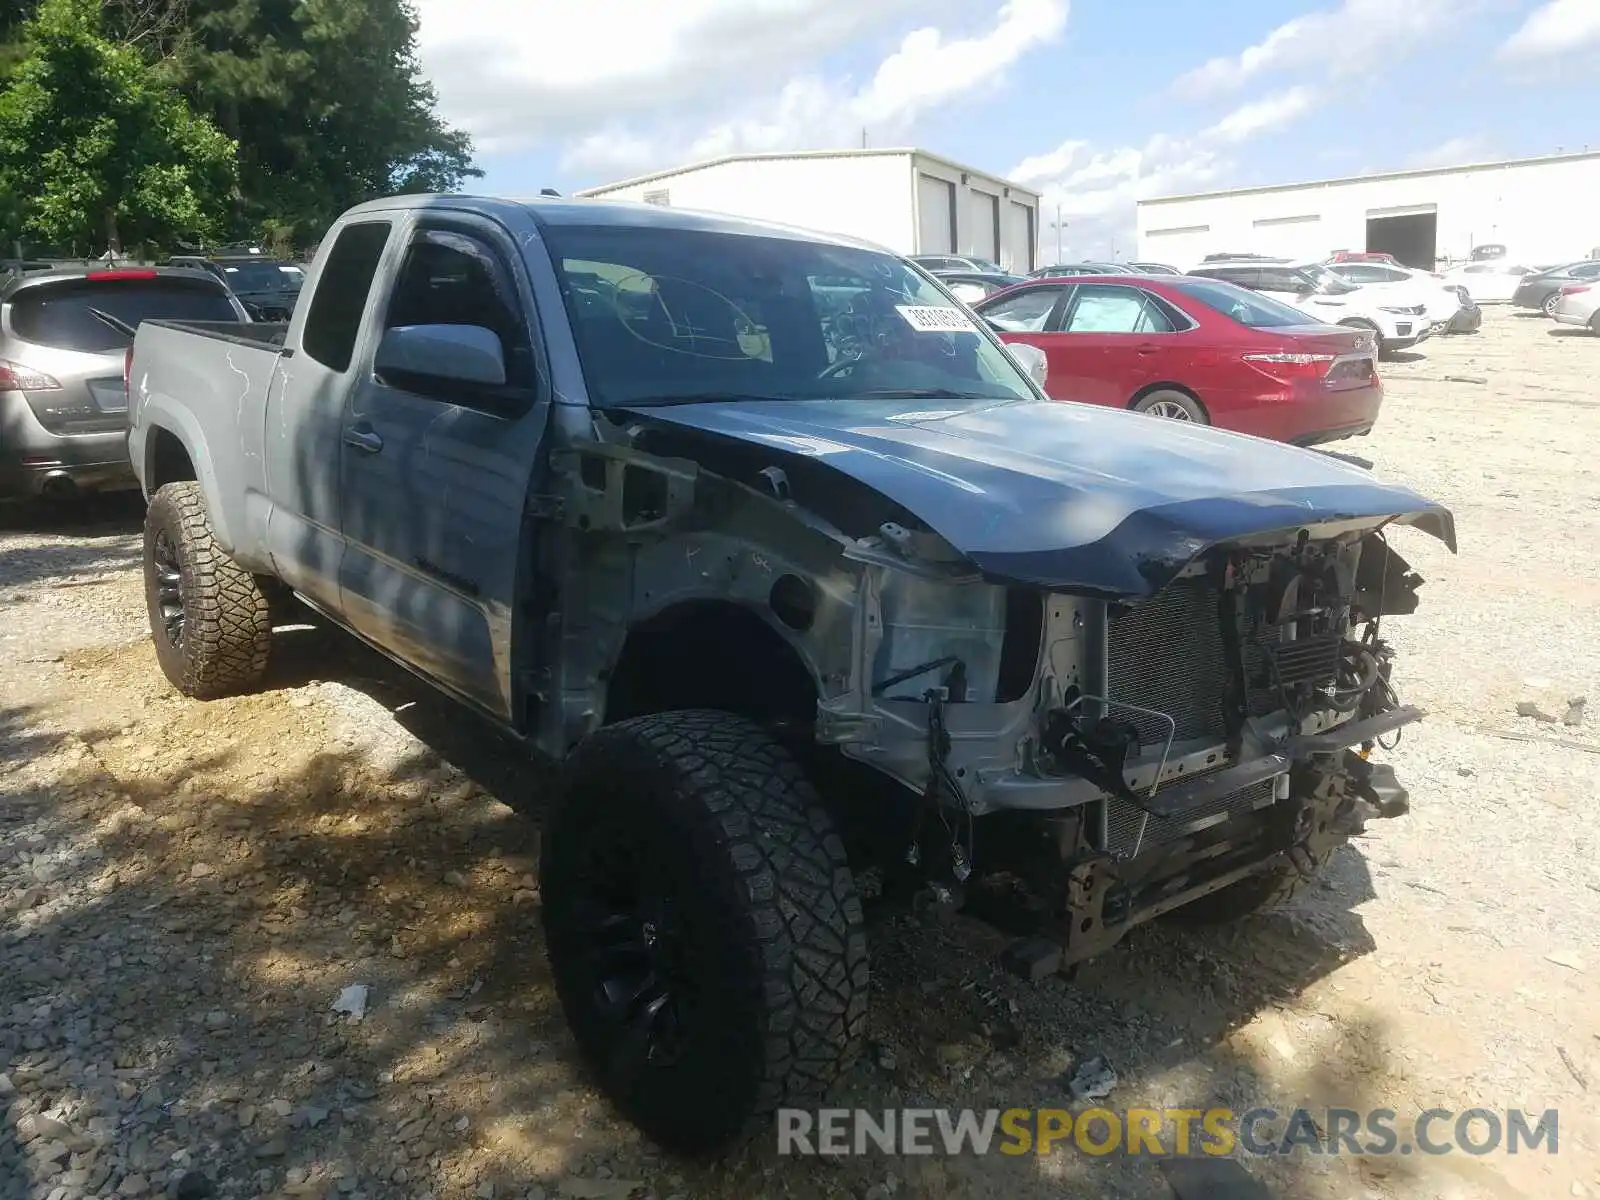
327 102
96 147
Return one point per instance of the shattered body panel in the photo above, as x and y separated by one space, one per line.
985 593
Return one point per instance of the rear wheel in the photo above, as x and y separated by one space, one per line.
1550 302
703 926
1174 405
211 622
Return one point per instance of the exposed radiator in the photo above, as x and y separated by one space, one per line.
1167 654
1122 819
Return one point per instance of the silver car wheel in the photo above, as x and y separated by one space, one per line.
1169 409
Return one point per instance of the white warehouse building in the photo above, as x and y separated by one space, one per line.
1542 210
908 201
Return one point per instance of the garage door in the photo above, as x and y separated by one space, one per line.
936 219
983 225
1016 248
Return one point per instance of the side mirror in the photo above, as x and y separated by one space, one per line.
461 354
1031 359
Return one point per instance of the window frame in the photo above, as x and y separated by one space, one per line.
509 401
308 325
1052 317
1181 322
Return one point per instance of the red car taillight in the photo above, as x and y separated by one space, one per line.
1573 289
14 377
127 372
1288 366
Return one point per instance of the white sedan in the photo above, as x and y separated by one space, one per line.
1489 282
1579 305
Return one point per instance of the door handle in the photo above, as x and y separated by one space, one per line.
1148 348
363 439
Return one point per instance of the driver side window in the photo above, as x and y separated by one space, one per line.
1027 312
452 278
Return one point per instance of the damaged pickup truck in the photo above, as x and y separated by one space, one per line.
808 586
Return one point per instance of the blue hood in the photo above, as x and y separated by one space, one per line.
1066 496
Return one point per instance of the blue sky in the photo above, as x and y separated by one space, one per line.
1096 103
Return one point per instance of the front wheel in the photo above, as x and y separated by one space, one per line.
1550 302
1173 405
211 623
703 926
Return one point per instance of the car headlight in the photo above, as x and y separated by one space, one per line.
1401 310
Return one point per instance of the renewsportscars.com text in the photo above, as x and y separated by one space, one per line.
1165 1131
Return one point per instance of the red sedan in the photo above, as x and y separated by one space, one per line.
1195 349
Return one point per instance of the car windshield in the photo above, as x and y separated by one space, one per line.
266 276
666 316
1328 283
1240 304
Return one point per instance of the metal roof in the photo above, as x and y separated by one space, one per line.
773 156
1414 173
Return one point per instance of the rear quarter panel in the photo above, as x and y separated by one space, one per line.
210 395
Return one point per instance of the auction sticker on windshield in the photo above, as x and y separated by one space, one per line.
933 318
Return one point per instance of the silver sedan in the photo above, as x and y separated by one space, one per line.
1579 305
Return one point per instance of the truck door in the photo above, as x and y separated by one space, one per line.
305 414
435 474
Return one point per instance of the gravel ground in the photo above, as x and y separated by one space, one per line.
186 890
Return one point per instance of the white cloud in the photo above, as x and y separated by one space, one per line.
517 72
1450 153
929 69
1263 116
1559 27
1358 35
1096 191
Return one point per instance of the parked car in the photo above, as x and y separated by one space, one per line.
266 286
719 568
975 285
1579 305
1060 270
1493 282
1318 292
1195 350
1488 252
1224 256
957 262
1154 268
1442 300
1363 256
63 405
1542 289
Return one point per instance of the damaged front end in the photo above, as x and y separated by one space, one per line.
1174 705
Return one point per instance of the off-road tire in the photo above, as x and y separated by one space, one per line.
227 626
1257 893
737 835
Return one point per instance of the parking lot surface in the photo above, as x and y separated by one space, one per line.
186 889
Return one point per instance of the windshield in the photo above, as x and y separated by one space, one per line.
1239 304
267 276
1328 283
676 315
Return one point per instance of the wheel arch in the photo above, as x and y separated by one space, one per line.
712 653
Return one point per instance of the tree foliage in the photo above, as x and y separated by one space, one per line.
96 147
324 99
